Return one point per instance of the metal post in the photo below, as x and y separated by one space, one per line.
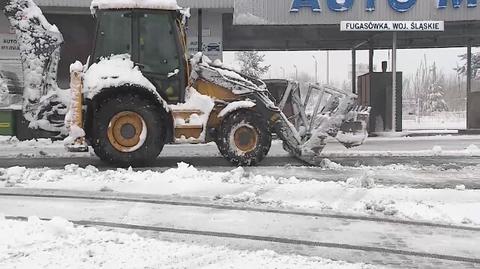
316 69
370 60
354 70
394 82
469 82
328 67
296 72
200 30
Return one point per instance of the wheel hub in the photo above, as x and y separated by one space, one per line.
127 131
245 138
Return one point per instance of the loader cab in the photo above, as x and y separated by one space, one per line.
154 40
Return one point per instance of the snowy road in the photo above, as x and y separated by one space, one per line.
353 240
446 151
394 202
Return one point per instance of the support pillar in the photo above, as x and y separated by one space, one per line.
469 84
200 30
394 82
354 70
370 60
328 67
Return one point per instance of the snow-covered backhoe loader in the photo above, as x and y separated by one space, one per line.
140 91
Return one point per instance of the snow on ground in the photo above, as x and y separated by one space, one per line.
358 194
439 121
11 147
59 244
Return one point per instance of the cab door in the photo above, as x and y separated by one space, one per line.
160 54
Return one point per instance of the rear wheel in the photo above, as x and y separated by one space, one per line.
244 138
128 130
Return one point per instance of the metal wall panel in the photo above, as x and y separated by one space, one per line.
185 3
207 3
63 3
277 12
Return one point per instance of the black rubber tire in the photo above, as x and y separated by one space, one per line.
230 151
154 120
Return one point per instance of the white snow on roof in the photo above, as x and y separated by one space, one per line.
147 4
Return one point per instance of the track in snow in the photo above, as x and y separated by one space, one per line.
95 196
372 240
270 239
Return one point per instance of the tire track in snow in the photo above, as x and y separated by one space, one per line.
264 239
95 196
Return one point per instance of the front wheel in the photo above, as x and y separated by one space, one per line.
244 138
128 130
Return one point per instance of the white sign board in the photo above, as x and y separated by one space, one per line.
392 26
9 48
212 47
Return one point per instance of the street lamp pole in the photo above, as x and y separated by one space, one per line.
316 69
328 67
296 72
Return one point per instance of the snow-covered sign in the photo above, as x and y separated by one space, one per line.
393 26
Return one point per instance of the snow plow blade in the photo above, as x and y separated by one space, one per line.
325 111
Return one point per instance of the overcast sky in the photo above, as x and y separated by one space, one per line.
340 61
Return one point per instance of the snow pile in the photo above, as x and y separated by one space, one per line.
39 43
460 187
364 181
358 195
235 106
116 71
219 74
353 139
472 150
59 244
387 207
74 133
147 4
194 101
437 150
77 66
